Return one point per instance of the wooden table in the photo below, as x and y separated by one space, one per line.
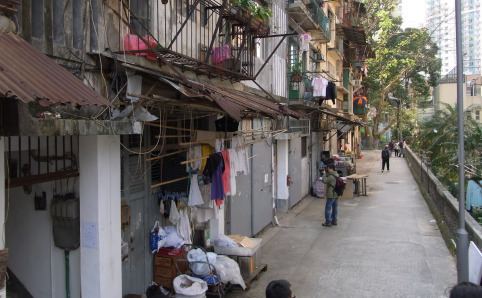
360 181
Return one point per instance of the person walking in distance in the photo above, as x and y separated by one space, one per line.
401 144
386 159
331 206
397 149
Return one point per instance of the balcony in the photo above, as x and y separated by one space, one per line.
311 17
337 47
300 94
201 36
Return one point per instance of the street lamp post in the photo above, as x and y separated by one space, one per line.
462 236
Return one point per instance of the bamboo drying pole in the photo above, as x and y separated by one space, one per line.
165 155
169 182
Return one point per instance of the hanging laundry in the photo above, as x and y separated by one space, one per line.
205 212
232 172
220 54
241 155
226 172
305 39
206 150
213 174
219 145
174 214
195 197
331 92
319 86
183 226
474 195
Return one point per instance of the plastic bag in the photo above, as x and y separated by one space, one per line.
154 237
190 286
319 188
198 261
228 271
225 241
173 240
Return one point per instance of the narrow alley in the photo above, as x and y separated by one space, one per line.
385 245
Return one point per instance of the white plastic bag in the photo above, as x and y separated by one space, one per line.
225 241
187 286
319 188
173 240
198 261
228 271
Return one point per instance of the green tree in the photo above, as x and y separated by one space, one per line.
404 64
438 138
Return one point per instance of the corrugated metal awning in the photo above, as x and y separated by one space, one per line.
234 102
29 75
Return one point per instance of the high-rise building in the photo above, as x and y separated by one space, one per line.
441 24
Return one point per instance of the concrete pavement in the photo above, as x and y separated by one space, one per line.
385 245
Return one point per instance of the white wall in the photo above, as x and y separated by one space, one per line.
33 257
29 233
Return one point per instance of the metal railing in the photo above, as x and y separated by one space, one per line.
320 17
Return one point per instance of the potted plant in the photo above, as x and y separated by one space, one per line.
248 10
296 70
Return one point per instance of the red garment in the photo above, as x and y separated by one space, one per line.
227 173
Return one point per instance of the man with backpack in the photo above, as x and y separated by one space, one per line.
334 188
386 158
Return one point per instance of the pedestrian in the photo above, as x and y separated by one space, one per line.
397 149
386 159
401 145
331 205
279 289
466 290
391 146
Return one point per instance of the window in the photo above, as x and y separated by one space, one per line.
304 146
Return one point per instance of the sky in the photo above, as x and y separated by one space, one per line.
413 13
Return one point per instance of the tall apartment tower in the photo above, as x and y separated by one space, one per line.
441 24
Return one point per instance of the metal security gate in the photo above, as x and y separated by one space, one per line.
251 210
262 198
137 267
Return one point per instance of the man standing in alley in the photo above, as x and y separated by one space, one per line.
331 206
386 158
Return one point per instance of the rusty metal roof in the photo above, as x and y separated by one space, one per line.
29 75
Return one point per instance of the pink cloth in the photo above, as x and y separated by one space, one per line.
133 42
220 54
226 173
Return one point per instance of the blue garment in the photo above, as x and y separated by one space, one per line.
331 210
473 198
217 189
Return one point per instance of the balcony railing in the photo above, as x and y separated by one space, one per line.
311 17
319 15
211 37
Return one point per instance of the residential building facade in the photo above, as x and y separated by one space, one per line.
441 24
103 102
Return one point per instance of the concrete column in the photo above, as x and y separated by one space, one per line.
100 227
3 292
